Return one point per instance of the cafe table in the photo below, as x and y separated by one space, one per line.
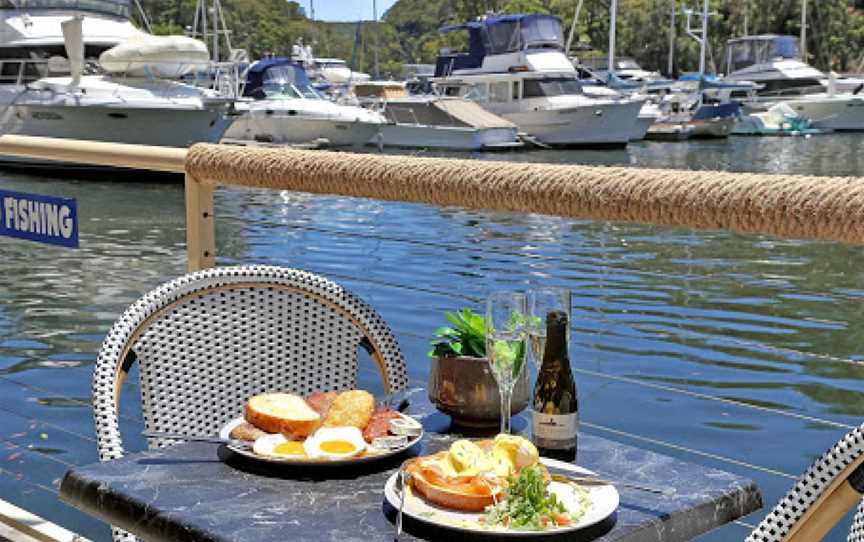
204 492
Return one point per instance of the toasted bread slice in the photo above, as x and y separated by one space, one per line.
282 413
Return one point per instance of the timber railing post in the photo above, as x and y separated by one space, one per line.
200 226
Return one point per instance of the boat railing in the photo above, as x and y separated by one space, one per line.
225 78
22 71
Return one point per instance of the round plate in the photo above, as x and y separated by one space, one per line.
602 502
370 455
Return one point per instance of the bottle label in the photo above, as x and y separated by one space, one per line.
554 431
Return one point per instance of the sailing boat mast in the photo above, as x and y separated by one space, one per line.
700 36
573 28
613 8
671 67
804 30
375 37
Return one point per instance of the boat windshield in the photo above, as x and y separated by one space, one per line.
120 8
626 64
287 82
537 88
506 36
748 52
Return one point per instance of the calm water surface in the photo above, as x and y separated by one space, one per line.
666 322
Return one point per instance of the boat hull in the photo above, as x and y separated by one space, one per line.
296 130
640 129
130 125
453 138
842 113
600 125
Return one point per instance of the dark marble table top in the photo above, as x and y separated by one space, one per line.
203 492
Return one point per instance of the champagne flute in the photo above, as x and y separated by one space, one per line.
505 344
542 301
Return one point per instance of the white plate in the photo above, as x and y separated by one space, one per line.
602 502
370 455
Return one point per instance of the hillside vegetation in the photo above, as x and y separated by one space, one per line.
408 30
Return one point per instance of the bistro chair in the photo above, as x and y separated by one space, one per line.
832 485
209 340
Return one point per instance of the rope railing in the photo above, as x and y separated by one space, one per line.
829 208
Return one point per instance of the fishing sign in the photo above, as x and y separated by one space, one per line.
44 219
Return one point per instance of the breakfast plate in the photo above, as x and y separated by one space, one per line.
601 501
369 454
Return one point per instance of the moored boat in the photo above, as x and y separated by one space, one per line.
516 68
435 122
45 94
286 109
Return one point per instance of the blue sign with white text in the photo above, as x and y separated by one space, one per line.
44 219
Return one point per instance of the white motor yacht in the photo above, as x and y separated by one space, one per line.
285 109
774 63
430 121
51 83
516 68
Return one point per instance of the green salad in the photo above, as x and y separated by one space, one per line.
528 505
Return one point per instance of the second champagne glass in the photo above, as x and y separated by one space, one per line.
541 301
506 314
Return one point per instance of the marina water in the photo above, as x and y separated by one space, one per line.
738 352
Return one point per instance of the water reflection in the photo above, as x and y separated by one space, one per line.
755 320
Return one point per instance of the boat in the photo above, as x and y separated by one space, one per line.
333 71
283 108
516 68
773 62
779 120
692 115
434 122
46 47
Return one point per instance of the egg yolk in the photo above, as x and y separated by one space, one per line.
337 446
289 448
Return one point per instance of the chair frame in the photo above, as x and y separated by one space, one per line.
116 357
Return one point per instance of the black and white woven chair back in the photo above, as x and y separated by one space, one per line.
832 485
209 340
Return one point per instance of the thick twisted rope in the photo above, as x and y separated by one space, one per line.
783 205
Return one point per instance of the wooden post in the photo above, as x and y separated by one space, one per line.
200 226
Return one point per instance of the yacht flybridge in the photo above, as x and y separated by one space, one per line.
516 68
79 69
774 63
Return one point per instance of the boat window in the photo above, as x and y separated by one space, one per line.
451 91
536 88
121 8
499 92
745 53
542 32
517 94
504 37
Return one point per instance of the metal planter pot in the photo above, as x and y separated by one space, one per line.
465 389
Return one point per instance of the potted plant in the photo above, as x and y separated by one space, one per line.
460 381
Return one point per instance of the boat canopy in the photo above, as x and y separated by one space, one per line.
118 8
278 75
501 34
751 50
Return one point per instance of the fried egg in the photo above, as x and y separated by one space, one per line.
335 443
278 446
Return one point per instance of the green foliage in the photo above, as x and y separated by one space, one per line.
408 31
467 337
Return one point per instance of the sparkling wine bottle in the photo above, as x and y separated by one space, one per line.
554 415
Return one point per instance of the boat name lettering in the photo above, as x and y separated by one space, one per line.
44 219
46 115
